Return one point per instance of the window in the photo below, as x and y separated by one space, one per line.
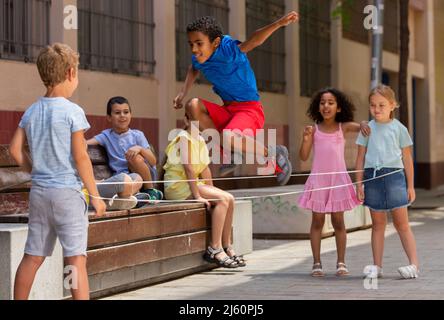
117 36
353 21
268 60
186 12
315 39
24 28
391 26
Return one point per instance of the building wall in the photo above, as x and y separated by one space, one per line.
439 78
152 97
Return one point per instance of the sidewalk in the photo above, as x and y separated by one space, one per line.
280 269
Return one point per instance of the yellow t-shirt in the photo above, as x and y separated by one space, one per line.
174 170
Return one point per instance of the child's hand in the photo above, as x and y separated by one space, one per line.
99 205
133 152
411 194
289 18
178 101
365 129
308 133
204 201
360 193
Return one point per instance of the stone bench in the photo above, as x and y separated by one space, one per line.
126 249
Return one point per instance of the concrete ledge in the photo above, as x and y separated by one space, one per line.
48 284
243 227
279 217
49 280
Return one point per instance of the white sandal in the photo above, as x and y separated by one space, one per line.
317 270
341 269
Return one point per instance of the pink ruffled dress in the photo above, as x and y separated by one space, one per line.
328 156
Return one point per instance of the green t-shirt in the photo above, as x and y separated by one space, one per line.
385 144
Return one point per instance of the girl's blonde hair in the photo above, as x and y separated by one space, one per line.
387 93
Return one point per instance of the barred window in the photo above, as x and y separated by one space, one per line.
353 21
186 12
24 28
268 60
315 42
117 36
391 26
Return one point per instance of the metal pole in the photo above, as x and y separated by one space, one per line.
377 45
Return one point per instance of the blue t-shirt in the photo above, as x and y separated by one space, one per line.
117 145
229 70
385 144
49 124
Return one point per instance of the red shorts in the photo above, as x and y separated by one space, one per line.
237 115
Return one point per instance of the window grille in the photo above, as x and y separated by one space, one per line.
315 42
268 60
24 28
117 36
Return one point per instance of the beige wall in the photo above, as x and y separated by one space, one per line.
439 78
20 85
95 89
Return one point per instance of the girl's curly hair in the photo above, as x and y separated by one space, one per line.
208 26
344 103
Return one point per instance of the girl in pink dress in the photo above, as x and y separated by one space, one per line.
332 112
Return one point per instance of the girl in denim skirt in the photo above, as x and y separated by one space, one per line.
387 152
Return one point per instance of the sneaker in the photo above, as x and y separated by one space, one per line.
154 193
144 199
409 272
117 203
372 272
283 165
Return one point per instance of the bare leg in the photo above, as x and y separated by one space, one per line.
130 188
197 112
337 220
25 275
218 216
317 224
139 166
401 223
79 288
227 232
379 220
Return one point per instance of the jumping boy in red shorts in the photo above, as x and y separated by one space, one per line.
225 64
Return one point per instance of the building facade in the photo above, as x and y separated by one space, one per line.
138 49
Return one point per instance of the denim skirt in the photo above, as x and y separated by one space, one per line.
387 193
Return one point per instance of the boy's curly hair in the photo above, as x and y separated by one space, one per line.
343 101
208 26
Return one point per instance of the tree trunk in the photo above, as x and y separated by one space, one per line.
404 60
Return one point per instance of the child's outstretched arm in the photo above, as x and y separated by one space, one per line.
360 160
84 167
407 159
192 75
17 150
362 127
261 35
93 142
307 143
